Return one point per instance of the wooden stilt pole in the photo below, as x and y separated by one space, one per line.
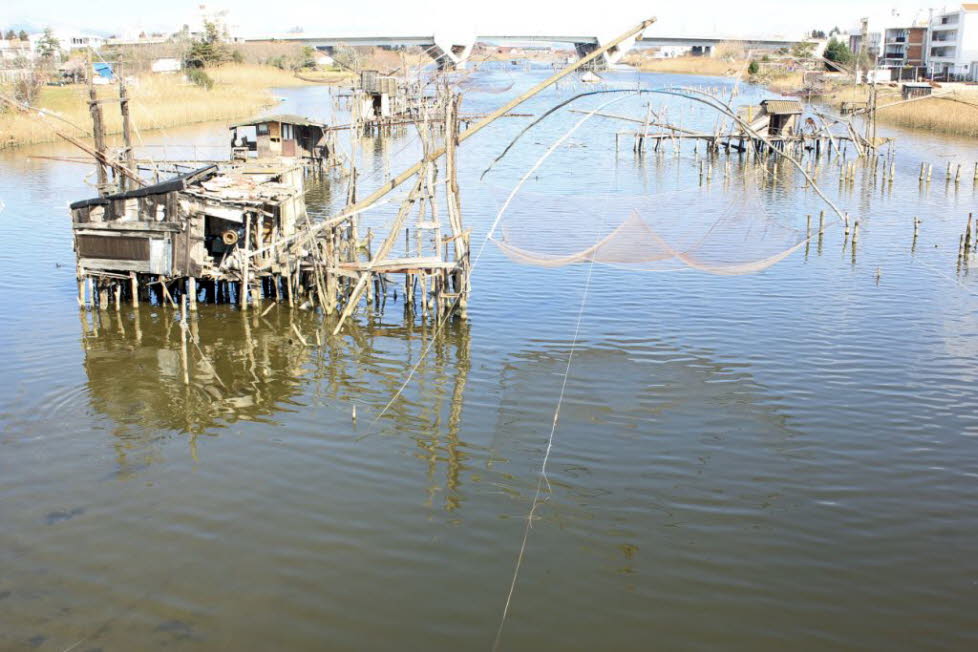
192 293
245 264
183 339
82 281
134 289
98 131
126 131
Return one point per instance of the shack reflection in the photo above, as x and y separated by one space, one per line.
242 368
245 366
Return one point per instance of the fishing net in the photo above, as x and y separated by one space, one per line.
492 86
718 233
478 81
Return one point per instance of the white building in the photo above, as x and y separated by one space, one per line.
69 40
953 44
14 51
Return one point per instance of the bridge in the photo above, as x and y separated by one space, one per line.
454 52
705 44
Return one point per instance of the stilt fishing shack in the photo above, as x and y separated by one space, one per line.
190 227
782 116
284 135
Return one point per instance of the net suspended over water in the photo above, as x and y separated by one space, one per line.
728 232
478 81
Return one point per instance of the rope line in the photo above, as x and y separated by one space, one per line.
546 458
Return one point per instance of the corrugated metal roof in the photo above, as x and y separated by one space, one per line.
170 185
782 107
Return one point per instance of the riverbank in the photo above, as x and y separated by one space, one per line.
157 102
956 114
709 66
778 82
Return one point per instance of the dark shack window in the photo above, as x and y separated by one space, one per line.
262 129
113 248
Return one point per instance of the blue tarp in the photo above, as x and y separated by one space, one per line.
103 69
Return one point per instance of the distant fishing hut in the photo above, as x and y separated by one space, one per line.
782 116
379 96
282 135
910 90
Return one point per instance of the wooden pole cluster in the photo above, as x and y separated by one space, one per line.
327 270
442 282
329 265
967 240
98 131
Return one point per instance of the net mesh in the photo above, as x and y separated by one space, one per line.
705 231
492 83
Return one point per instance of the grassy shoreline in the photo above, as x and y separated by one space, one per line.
955 118
157 102
708 66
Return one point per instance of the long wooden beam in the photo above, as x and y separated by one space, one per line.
468 133
366 202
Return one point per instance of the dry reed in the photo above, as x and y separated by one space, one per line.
947 116
934 115
158 101
712 66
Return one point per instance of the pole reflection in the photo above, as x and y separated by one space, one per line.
154 382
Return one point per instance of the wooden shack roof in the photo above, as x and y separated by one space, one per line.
170 185
782 107
286 118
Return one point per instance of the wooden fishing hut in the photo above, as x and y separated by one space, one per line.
282 135
382 101
782 116
139 244
773 117
378 96
910 90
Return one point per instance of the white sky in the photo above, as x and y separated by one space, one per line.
425 17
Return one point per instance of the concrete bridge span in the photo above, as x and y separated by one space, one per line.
452 52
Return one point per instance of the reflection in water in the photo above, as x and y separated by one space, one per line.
627 401
245 366
243 369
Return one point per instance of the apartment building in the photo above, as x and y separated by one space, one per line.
904 46
953 45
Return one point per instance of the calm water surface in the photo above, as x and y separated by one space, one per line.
781 460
